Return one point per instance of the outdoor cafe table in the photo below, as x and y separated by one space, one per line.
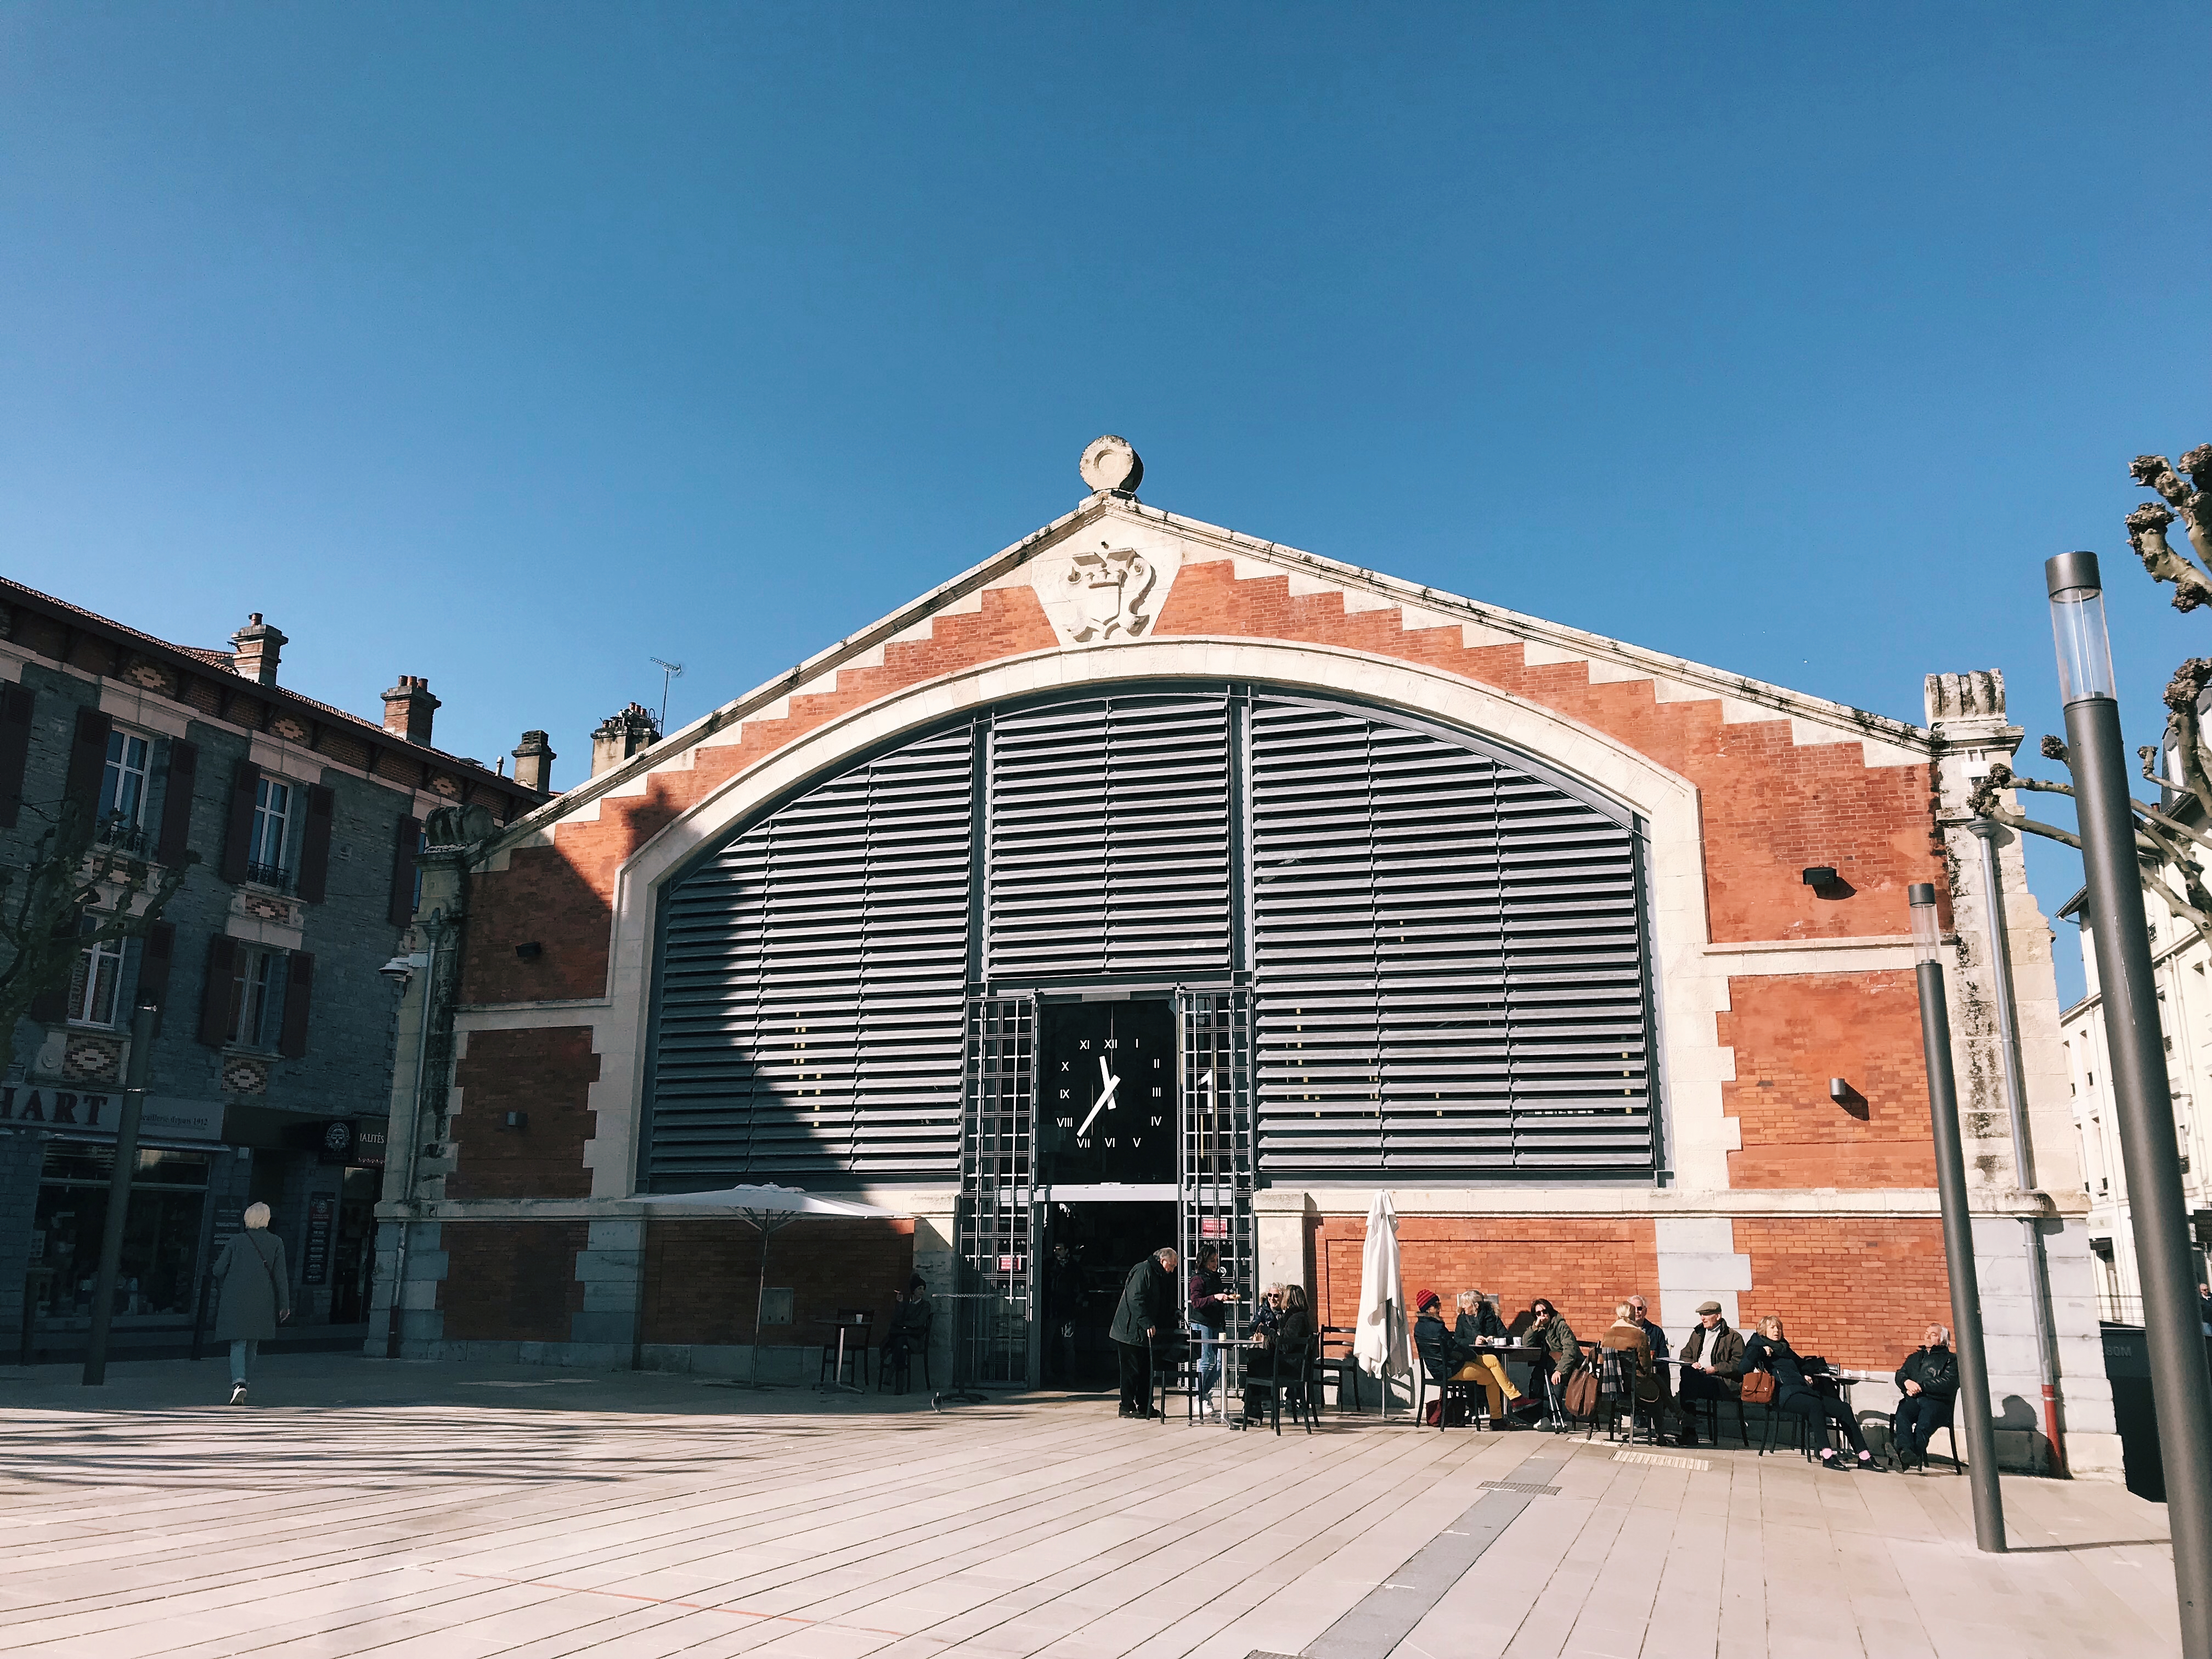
847 1323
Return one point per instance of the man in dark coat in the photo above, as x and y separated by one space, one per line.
1712 1366
1927 1383
1148 1310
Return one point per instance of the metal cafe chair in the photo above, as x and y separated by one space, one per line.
862 1323
1173 1362
1342 1366
1292 1379
901 1367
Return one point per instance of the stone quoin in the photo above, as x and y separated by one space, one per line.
1150 875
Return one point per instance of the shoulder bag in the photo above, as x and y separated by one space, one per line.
1759 1388
276 1291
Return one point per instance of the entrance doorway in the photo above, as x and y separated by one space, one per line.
1089 1248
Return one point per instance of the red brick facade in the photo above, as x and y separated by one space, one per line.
1857 1292
701 1277
547 1076
511 1281
1767 806
1791 1036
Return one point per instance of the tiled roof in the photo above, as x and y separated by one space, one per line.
225 662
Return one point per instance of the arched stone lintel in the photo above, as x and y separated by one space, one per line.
1691 1064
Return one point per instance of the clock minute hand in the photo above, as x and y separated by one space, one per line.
1105 1097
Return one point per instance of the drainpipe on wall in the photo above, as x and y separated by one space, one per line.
2038 1287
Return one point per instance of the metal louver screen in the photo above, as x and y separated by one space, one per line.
812 993
1110 838
1448 954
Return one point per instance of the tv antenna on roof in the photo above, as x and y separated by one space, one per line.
668 671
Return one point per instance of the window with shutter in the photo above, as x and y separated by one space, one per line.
18 707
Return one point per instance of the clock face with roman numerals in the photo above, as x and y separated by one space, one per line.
1106 1092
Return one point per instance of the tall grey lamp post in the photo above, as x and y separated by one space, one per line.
2181 1384
1973 1402
135 1074
433 927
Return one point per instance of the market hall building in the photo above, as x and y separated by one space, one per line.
1148 883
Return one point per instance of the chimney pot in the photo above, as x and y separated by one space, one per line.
622 735
256 648
407 709
533 762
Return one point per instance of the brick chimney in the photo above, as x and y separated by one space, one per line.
622 735
408 707
533 762
257 647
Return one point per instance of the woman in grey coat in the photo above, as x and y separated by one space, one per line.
256 1294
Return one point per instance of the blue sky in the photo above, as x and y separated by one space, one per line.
515 345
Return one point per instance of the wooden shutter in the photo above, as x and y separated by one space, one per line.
315 844
406 836
216 995
177 802
87 760
51 1006
17 706
238 836
298 993
156 952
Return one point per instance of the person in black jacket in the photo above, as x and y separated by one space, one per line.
1277 1350
1927 1384
1770 1351
1148 1310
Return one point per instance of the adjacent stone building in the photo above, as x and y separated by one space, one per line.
1149 882
270 1070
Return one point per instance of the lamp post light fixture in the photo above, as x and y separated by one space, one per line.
2181 1384
1971 1416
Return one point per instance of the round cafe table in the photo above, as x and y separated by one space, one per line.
850 1322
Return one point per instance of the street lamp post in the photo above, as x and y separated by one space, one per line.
135 1074
433 931
2181 1385
1972 1416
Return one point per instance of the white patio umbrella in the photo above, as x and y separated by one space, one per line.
1379 1342
771 1209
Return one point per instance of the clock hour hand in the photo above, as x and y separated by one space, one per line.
1105 1096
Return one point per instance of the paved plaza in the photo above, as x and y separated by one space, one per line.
438 1512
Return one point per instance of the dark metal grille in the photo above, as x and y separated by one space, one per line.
1449 958
1215 1168
1109 838
997 1192
813 983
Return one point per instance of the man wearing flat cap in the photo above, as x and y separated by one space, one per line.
1712 1366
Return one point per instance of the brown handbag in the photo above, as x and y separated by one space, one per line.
1759 1388
1578 1395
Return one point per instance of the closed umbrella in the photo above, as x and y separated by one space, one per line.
1379 1342
771 1209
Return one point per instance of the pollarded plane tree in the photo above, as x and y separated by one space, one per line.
2173 834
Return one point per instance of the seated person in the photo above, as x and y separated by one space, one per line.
1639 1314
1441 1356
1929 1381
1627 1337
1712 1363
1478 1323
1769 1350
1563 1355
1280 1349
909 1326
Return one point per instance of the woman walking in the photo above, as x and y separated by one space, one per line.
256 1294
